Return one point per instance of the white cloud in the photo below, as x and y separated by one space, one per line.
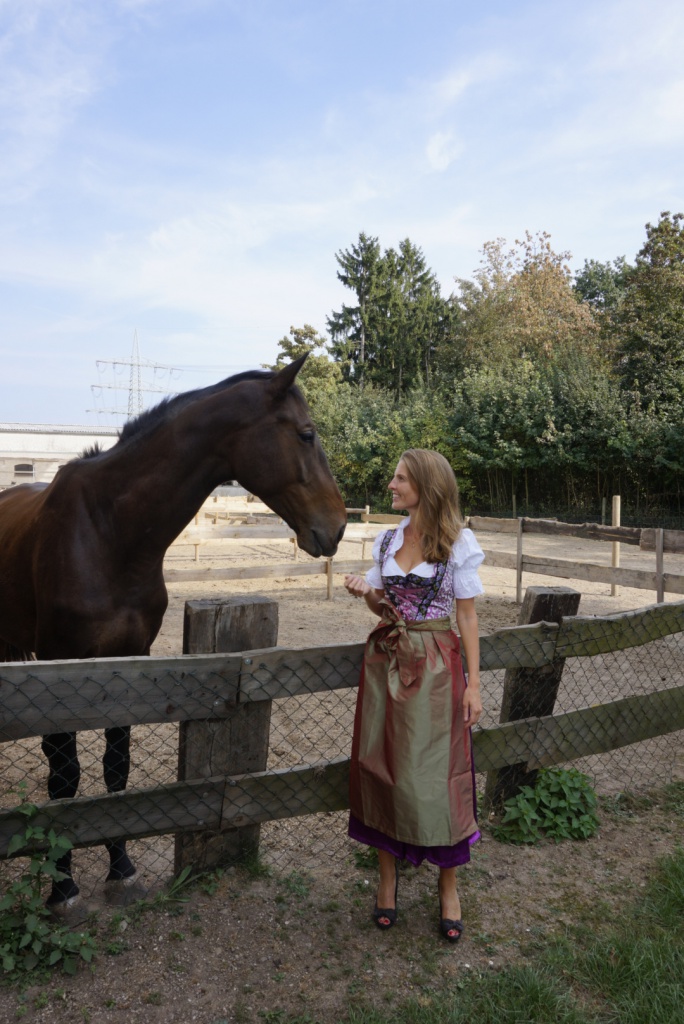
441 150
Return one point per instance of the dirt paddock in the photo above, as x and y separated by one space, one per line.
299 941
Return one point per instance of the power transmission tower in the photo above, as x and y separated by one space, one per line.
138 385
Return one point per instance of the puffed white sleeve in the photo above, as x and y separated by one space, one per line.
374 575
467 556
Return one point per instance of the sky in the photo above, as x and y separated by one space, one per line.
182 172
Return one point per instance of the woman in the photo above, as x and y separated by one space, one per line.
412 783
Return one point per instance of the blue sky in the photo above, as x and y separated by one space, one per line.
187 169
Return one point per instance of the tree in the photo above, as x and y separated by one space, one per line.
354 328
602 285
520 305
391 336
649 322
318 371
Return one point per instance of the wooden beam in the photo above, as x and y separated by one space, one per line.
287 673
499 559
639 579
588 636
38 697
189 806
487 524
528 646
585 531
673 541
556 739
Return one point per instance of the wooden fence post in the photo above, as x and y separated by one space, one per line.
660 566
234 745
530 692
518 563
615 560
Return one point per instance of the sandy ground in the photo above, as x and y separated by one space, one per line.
299 940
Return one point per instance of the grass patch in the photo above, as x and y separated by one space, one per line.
631 972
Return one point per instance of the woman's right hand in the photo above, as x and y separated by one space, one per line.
357 586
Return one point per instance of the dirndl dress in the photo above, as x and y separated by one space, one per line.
412 776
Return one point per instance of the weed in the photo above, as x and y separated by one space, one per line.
673 801
153 998
562 805
297 884
31 941
115 947
365 857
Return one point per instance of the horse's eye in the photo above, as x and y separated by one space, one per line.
307 436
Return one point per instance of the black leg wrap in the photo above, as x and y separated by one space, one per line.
65 771
117 758
116 763
120 864
66 887
63 780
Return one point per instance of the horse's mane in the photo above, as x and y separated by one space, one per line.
92 451
149 420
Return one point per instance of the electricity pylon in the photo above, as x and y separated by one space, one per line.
137 386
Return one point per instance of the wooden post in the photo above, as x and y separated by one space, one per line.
329 577
660 581
603 511
235 745
530 692
615 561
518 563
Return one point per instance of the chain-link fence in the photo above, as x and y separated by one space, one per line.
605 694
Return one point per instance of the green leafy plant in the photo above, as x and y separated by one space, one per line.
30 939
562 805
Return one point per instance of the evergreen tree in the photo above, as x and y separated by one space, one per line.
649 322
354 328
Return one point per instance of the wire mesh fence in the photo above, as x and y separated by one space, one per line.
604 694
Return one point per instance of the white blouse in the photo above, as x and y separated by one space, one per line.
466 556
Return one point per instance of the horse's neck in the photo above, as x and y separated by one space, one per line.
156 485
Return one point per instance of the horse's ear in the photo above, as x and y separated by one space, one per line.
285 378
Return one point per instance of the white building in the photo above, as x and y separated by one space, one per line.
35 451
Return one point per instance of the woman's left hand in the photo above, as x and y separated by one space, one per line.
472 706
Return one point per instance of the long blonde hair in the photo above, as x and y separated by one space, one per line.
438 517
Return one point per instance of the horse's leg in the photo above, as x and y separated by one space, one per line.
65 774
116 764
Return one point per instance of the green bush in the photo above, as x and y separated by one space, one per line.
562 805
30 939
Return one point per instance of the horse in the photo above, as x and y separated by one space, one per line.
81 558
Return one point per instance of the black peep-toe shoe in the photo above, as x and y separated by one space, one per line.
385 917
451 930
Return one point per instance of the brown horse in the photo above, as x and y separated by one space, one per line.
81 558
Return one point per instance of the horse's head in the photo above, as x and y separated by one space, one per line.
278 457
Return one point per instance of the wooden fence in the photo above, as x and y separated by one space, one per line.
48 697
659 541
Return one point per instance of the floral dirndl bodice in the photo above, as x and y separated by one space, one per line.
418 598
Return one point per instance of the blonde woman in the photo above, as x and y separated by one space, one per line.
412 784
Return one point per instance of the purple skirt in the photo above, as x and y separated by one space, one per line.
441 856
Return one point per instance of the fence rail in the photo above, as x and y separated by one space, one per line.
39 697
659 541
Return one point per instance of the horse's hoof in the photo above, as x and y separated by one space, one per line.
72 912
121 892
